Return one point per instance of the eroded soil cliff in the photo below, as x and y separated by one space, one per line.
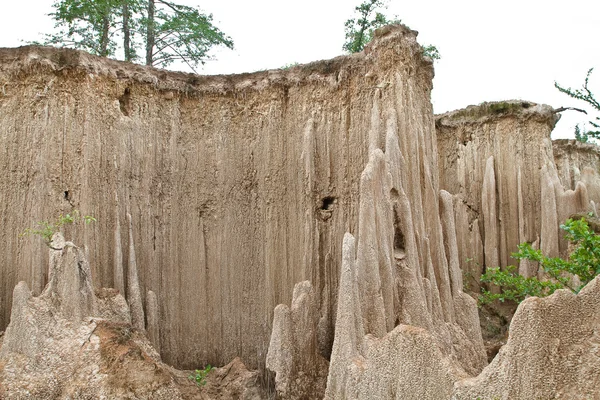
238 186
222 199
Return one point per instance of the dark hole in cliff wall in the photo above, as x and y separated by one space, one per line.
399 242
124 102
326 206
328 202
68 196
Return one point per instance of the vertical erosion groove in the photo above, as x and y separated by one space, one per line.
125 102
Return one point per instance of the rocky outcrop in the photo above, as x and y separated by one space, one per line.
490 158
558 205
497 159
69 343
74 342
403 364
552 351
235 188
400 288
489 207
70 284
300 371
434 337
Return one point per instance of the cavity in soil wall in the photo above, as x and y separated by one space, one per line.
238 186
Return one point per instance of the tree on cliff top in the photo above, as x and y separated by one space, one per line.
177 32
167 31
359 30
86 25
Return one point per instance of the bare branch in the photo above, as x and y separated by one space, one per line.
561 109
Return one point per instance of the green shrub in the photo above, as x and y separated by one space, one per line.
289 66
47 229
584 262
431 51
200 375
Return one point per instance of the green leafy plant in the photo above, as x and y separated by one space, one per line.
47 229
175 32
359 30
431 51
93 25
289 66
584 263
200 375
586 95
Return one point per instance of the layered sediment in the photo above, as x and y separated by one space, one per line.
238 186
70 342
77 342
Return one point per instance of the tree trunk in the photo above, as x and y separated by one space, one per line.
150 38
126 32
104 36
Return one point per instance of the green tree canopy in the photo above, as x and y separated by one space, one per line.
177 32
88 25
359 30
165 30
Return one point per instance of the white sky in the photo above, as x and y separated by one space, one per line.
509 49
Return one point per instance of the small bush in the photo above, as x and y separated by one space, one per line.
47 229
584 263
431 51
289 66
200 375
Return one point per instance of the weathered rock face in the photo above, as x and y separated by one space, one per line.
552 351
74 342
400 274
69 343
578 162
102 133
233 189
434 337
404 364
300 370
238 186
497 159
404 328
